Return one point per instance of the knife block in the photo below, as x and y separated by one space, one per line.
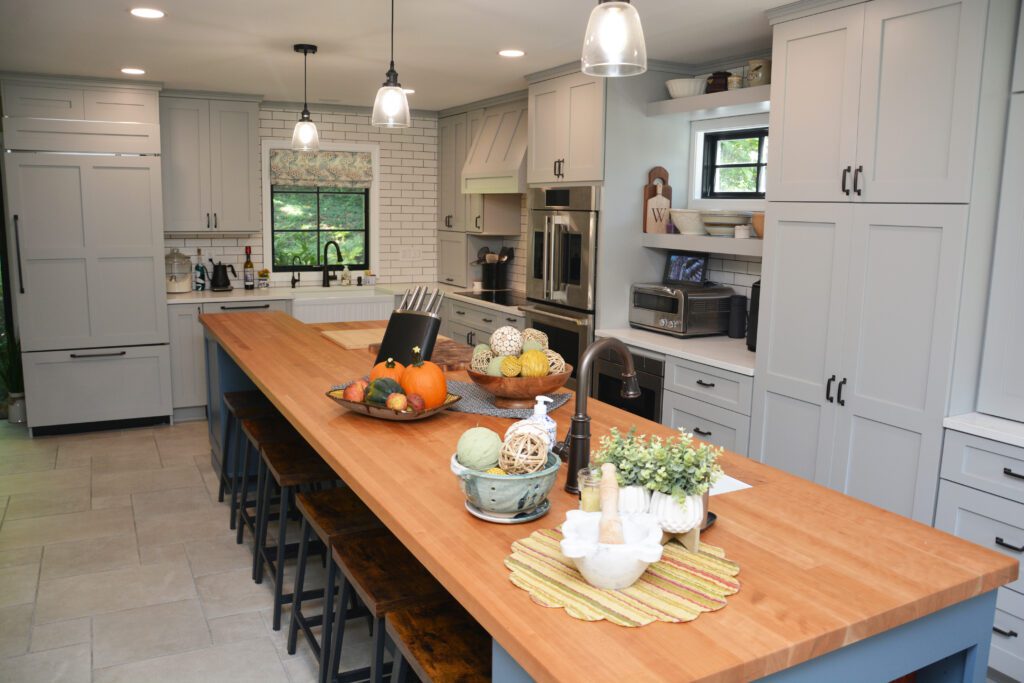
405 330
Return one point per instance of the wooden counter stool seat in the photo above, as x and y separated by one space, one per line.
258 431
385 576
330 515
290 465
440 643
240 405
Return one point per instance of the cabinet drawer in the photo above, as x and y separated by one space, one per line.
707 422
94 385
483 318
43 101
250 306
984 464
989 521
1007 653
464 334
705 383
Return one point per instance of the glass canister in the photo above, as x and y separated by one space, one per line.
178 272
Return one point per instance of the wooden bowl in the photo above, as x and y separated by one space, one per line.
519 392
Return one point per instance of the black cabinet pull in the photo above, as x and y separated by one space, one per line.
856 180
554 168
215 221
839 393
450 279
828 389
511 320
244 308
698 430
207 221
477 222
846 175
561 168
1010 546
459 312
487 320
112 354
17 254
1008 634
1010 473
709 385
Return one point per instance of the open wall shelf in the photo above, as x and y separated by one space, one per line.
728 103
714 245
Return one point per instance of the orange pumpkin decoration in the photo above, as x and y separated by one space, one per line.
387 368
426 379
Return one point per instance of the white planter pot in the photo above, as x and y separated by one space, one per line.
634 499
16 408
675 518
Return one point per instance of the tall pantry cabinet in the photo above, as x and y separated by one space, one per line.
873 116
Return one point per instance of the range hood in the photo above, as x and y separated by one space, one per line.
496 163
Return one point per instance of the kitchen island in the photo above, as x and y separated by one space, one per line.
832 588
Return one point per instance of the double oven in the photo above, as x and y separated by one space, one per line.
561 267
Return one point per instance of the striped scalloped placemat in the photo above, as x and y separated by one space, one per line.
679 587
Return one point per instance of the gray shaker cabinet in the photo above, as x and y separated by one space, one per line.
188 366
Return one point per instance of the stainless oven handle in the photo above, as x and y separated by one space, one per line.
547 254
537 313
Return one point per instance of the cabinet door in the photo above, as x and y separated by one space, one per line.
1018 67
1002 370
234 165
88 250
901 313
546 134
813 121
452 131
920 81
188 365
185 157
803 294
583 122
451 259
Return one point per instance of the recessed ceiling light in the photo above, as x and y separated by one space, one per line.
408 91
511 53
132 71
147 13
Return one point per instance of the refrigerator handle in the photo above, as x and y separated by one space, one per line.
17 254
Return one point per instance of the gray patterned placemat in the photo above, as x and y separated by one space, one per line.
476 400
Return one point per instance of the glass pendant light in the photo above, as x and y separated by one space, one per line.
391 108
305 137
614 43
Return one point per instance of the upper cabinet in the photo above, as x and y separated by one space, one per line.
453 139
210 165
877 102
566 132
1018 67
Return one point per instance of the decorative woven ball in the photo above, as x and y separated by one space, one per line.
532 345
556 364
535 364
524 452
494 366
531 334
481 358
507 341
511 367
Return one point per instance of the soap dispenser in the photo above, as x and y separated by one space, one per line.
540 420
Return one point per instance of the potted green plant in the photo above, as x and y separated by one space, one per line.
12 377
629 455
679 474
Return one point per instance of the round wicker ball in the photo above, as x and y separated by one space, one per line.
481 358
524 452
531 334
511 366
556 364
507 341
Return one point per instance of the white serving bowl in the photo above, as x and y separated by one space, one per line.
611 566
685 87
687 221
723 223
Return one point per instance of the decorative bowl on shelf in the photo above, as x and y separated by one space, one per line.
519 392
723 223
507 498
385 413
687 221
685 87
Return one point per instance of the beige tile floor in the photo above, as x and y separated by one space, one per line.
117 564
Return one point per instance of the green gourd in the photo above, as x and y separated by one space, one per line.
478 449
494 367
380 389
481 348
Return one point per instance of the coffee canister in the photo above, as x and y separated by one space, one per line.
718 82
737 316
759 72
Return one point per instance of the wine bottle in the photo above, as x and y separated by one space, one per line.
199 279
248 270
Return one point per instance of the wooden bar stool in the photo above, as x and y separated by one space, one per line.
330 515
240 405
440 643
258 432
289 465
386 577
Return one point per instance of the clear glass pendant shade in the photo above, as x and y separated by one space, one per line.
391 108
305 137
614 43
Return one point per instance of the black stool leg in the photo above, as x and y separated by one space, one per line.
379 639
329 622
239 448
401 668
243 504
337 634
300 578
262 518
282 535
224 457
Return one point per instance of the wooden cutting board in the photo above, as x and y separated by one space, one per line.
657 201
355 339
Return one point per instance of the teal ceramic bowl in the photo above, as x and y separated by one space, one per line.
507 494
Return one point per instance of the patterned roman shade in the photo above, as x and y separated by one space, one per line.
321 169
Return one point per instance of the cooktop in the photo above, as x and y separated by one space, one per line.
502 297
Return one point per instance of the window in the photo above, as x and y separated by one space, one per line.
734 164
304 219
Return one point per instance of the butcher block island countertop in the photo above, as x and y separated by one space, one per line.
819 570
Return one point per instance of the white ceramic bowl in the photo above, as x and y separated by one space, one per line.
685 87
687 221
606 565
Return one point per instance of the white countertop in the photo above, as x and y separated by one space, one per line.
719 351
987 427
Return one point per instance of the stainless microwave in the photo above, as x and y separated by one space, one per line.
683 310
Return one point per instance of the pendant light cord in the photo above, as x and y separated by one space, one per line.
392 34
305 97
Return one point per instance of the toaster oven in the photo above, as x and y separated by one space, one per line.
682 310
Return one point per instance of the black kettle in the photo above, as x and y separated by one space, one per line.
219 281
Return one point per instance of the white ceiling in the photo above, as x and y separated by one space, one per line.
445 49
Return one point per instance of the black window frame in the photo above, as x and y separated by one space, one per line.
318 190
710 162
